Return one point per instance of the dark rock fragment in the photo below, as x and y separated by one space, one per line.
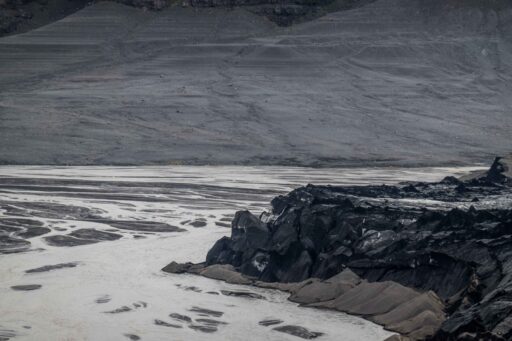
47 268
245 294
210 322
179 317
198 223
192 288
499 173
202 328
26 287
122 309
270 322
103 299
221 224
166 324
177 268
140 304
298 331
206 312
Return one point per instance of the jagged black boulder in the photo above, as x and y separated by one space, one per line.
453 237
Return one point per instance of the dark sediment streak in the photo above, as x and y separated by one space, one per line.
47 268
81 237
26 287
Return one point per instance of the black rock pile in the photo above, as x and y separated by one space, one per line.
453 238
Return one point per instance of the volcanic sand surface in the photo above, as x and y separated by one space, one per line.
394 82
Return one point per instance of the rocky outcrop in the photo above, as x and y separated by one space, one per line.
288 12
22 15
500 172
284 12
416 251
18 16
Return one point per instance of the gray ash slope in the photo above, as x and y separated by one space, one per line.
391 82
